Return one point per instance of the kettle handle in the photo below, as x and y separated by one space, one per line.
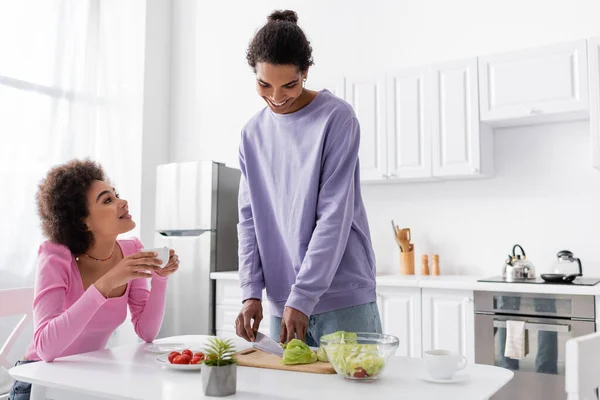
580 269
515 247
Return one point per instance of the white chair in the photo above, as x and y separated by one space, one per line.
14 302
582 374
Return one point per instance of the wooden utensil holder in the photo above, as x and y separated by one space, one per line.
407 263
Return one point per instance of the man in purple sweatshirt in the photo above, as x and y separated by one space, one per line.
303 231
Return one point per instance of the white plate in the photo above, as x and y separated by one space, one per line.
161 348
163 360
456 378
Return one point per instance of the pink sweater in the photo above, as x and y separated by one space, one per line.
68 320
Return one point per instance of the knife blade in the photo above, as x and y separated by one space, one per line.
268 345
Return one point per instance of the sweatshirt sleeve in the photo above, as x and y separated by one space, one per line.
335 208
147 306
55 327
250 269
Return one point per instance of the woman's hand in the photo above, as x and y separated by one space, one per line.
138 265
171 266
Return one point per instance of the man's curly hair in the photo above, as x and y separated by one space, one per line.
63 206
280 42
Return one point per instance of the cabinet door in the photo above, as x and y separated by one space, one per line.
448 321
455 128
550 80
594 67
408 111
400 310
367 97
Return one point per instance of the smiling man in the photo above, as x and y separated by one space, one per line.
303 231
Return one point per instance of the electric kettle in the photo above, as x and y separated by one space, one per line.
565 269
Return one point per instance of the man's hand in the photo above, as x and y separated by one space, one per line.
293 325
252 310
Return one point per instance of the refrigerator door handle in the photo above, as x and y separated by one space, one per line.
185 233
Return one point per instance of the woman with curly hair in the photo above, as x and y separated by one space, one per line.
303 231
86 278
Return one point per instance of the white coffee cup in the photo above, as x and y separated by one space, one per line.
163 254
443 364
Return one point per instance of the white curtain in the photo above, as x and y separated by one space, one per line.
71 85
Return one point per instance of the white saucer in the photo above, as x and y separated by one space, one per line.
456 378
161 348
163 360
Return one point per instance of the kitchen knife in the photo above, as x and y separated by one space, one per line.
267 344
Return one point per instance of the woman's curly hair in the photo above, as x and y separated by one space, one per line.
63 206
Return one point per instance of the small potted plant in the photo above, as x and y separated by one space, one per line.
219 373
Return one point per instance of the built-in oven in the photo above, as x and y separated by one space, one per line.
550 320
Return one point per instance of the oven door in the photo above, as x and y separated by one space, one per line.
540 374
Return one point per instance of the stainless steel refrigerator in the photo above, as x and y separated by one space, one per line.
196 214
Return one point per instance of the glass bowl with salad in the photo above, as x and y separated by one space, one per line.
357 355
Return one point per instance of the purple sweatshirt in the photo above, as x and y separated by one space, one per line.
303 231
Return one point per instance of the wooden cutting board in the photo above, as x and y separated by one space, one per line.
260 359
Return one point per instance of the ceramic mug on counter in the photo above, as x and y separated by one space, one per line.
443 364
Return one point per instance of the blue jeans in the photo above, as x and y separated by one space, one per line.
20 390
362 318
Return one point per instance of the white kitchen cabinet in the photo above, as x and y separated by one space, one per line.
594 79
544 84
400 311
408 118
367 97
461 146
448 321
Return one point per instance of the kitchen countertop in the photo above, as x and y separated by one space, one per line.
461 282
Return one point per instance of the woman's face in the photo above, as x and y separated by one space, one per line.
109 215
280 86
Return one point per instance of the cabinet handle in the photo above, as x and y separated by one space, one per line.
535 111
392 175
384 176
474 170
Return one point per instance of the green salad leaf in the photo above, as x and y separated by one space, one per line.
321 354
341 336
298 352
349 358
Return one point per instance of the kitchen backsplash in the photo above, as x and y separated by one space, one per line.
545 196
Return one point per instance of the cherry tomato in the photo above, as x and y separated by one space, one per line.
359 373
188 358
199 354
182 359
188 353
172 355
196 360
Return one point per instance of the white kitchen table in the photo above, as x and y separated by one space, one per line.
129 372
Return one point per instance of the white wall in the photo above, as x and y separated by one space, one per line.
157 87
543 196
